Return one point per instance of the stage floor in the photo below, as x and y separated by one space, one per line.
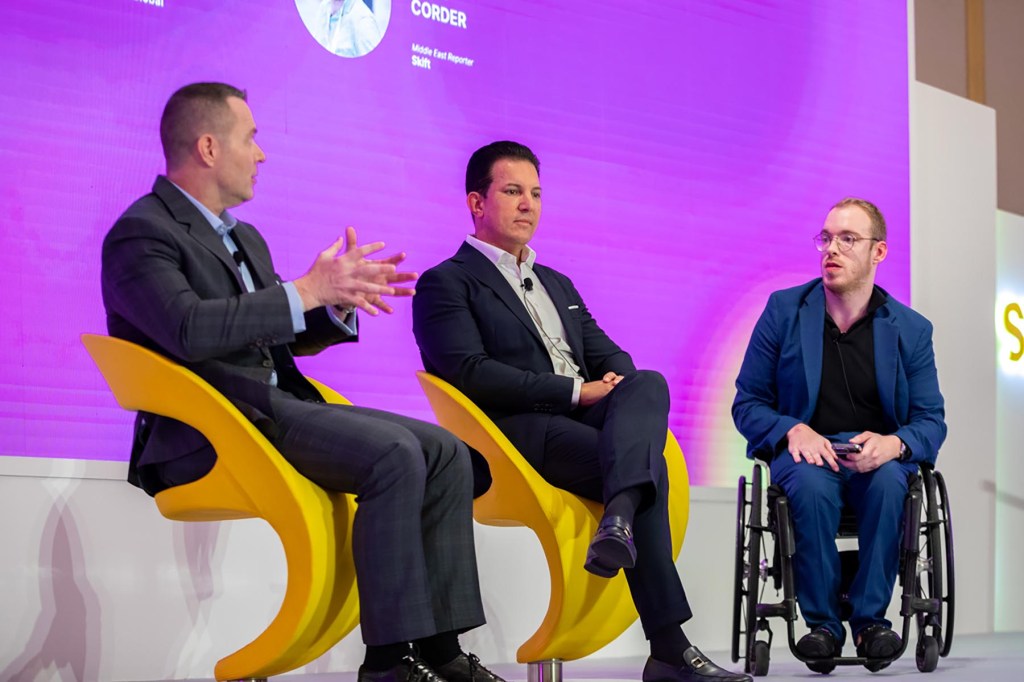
974 658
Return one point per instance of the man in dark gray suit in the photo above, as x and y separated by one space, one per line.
182 276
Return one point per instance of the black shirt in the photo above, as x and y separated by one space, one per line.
848 399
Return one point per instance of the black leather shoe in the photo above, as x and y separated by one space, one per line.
818 643
611 548
409 669
466 668
696 667
878 641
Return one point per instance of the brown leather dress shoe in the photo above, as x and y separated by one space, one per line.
466 668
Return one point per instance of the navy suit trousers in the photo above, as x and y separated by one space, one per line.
817 496
613 445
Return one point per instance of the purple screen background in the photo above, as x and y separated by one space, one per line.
688 153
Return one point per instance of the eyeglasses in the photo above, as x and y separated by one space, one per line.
846 240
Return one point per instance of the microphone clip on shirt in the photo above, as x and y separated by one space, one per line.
527 284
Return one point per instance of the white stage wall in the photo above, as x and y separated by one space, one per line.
953 282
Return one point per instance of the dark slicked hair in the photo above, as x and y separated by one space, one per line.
478 170
193 111
878 230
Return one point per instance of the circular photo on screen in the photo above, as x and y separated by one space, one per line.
347 28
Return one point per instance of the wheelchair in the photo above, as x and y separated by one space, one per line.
765 546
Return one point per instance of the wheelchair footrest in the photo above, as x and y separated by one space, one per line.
921 605
780 610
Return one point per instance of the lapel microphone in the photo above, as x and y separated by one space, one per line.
527 284
239 257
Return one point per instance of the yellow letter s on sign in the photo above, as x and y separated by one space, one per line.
1014 330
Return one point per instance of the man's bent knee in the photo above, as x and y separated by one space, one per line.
400 466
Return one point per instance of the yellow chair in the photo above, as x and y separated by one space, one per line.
250 480
585 612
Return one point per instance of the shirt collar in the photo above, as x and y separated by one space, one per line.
221 224
499 256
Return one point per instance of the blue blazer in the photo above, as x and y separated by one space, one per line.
780 378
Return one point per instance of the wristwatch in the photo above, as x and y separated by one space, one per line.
904 452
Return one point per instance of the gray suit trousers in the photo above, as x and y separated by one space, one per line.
413 530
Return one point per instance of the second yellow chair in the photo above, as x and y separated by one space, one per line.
585 612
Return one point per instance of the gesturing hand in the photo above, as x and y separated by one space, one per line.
351 279
805 443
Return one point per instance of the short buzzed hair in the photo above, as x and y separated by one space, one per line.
478 170
191 112
878 230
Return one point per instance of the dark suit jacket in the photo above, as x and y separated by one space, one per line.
475 333
170 284
780 378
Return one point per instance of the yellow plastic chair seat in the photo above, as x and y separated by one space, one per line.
585 612
250 480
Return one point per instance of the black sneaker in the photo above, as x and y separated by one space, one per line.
818 643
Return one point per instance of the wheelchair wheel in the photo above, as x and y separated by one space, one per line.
747 569
752 568
936 563
950 598
737 592
927 654
760 659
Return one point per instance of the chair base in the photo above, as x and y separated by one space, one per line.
544 671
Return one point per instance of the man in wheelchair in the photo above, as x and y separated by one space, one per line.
839 387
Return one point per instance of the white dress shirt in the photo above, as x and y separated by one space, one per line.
539 305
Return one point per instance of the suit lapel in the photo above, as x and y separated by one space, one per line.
257 257
812 330
199 227
887 339
561 302
485 271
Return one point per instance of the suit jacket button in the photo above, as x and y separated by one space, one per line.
269 364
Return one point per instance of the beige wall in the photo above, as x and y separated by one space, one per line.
941 45
1004 84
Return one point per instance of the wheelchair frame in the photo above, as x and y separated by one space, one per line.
763 516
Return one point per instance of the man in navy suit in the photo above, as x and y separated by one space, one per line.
517 339
838 360
184 277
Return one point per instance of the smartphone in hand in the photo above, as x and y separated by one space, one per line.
844 450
